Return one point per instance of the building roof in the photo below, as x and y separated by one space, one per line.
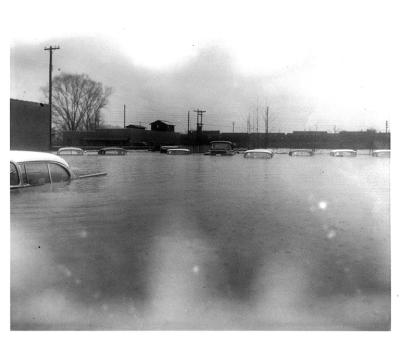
162 121
29 102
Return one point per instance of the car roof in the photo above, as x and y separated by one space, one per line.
221 141
112 148
179 149
70 148
24 156
259 150
343 150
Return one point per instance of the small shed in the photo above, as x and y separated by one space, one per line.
163 126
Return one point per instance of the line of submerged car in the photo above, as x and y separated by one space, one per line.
222 148
37 168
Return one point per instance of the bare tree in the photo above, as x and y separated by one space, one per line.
77 102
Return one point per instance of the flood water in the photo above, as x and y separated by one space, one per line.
196 242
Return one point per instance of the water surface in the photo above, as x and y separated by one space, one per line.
196 242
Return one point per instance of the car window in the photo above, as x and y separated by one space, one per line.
37 173
114 152
58 173
14 177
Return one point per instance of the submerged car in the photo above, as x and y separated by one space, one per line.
37 168
220 148
70 151
164 149
382 153
343 153
112 151
301 153
240 150
259 153
178 151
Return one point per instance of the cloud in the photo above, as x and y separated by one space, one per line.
315 90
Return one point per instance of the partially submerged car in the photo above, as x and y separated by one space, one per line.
258 153
178 151
164 149
38 168
301 153
343 153
70 151
382 153
112 151
240 150
220 148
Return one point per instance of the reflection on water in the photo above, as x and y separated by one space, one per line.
196 242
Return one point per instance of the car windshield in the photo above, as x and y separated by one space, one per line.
220 146
301 153
70 151
14 178
258 155
113 151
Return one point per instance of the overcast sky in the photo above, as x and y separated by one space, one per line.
315 64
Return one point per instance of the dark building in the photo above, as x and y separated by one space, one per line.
137 138
211 133
162 126
135 126
125 137
29 126
309 132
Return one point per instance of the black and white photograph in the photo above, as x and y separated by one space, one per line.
200 165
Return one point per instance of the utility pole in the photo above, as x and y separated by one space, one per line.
233 127
257 122
257 118
50 49
199 119
266 125
124 115
387 126
188 122
315 137
199 125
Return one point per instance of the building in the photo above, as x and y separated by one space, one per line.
309 133
123 137
162 126
135 126
29 125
